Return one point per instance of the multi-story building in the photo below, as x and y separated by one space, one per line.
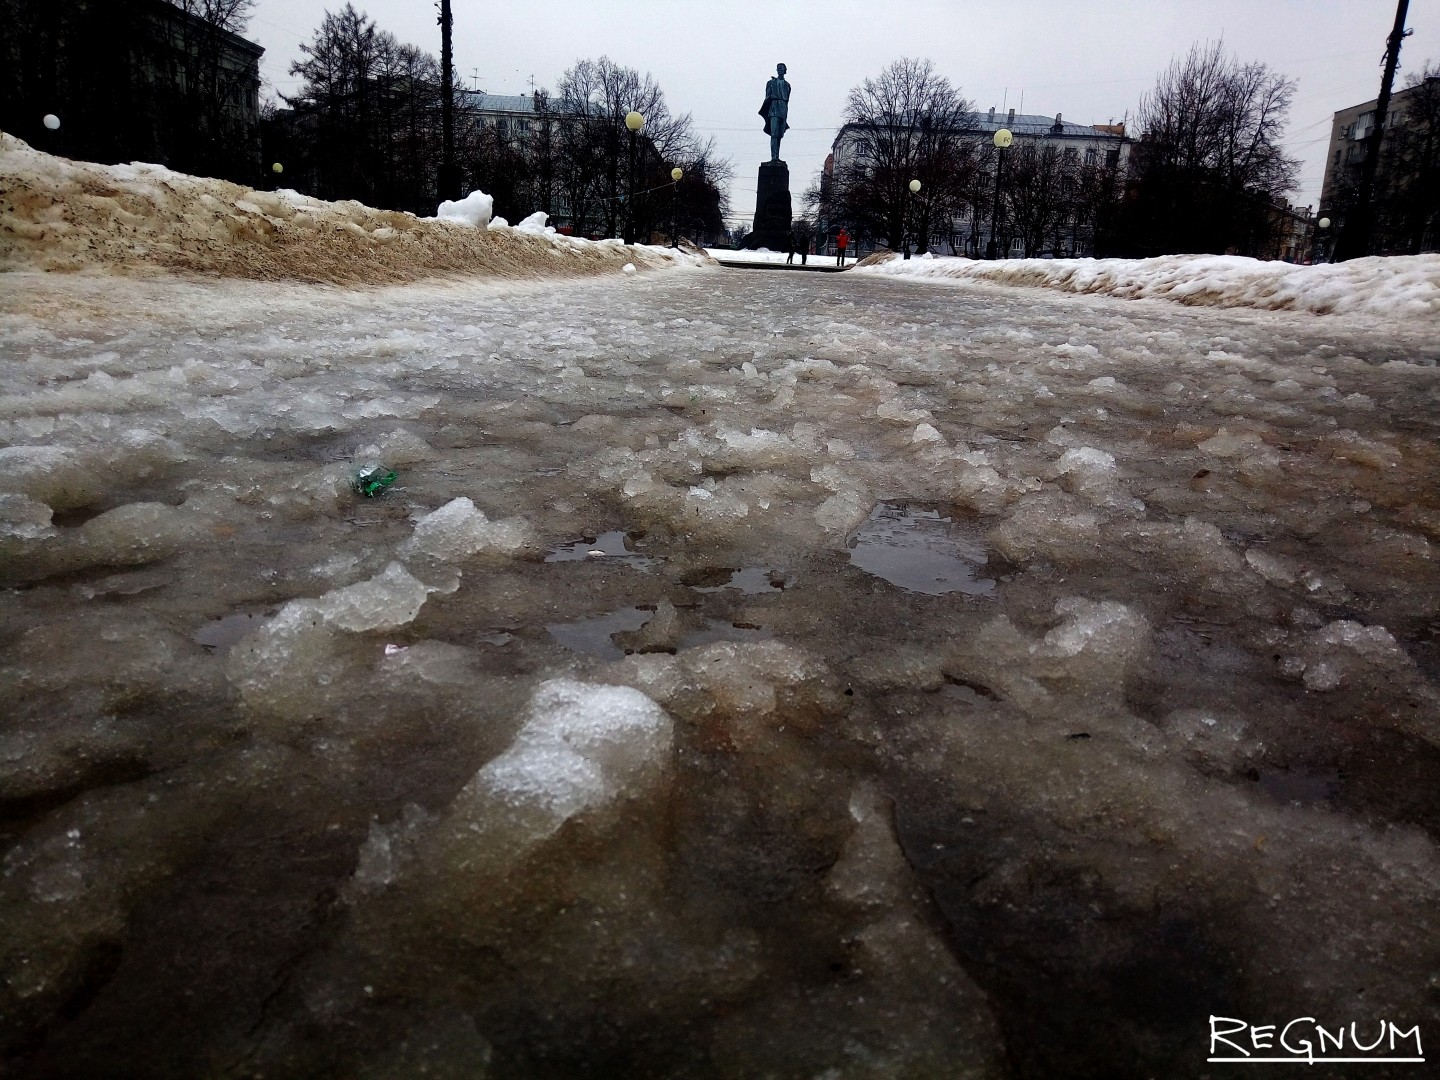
1348 131
509 114
141 80
1409 144
1292 233
1078 145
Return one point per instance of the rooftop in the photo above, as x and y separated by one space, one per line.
1035 124
505 103
1039 124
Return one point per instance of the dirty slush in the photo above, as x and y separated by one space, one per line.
744 675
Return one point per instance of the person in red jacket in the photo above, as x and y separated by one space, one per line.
841 243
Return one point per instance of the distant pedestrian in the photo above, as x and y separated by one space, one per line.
789 249
841 243
804 249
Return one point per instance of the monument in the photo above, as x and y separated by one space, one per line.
772 199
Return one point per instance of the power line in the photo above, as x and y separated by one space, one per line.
277 26
1311 142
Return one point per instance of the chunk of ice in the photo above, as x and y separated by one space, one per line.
24 517
457 529
1086 462
473 210
135 534
1272 567
582 745
1224 444
843 511
390 599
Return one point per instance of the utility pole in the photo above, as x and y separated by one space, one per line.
449 175
1354 241
630 198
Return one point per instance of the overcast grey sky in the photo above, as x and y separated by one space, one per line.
1088 59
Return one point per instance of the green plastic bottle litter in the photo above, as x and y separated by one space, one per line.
371 480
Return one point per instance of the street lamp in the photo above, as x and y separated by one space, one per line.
914 188
633 123
1319 243
675 175
1003 139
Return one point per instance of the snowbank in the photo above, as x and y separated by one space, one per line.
58 214
1397 285
475 210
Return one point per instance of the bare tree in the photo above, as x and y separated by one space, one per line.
366 121
231 15
494 159
594 97
975 197
1039 191
541 151
906 124
701 203
1209 166
1094 205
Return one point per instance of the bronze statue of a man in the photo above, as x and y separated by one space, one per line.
776 109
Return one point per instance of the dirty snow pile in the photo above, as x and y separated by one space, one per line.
747 675
1393 287
58 214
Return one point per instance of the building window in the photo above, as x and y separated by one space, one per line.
1071 155
502 126
1091 157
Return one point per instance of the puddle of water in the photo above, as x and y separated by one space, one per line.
752 580
610 545
1300 785
222 634
592 635
920 551
715 630
709 578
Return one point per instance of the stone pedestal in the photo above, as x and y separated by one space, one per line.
772 208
